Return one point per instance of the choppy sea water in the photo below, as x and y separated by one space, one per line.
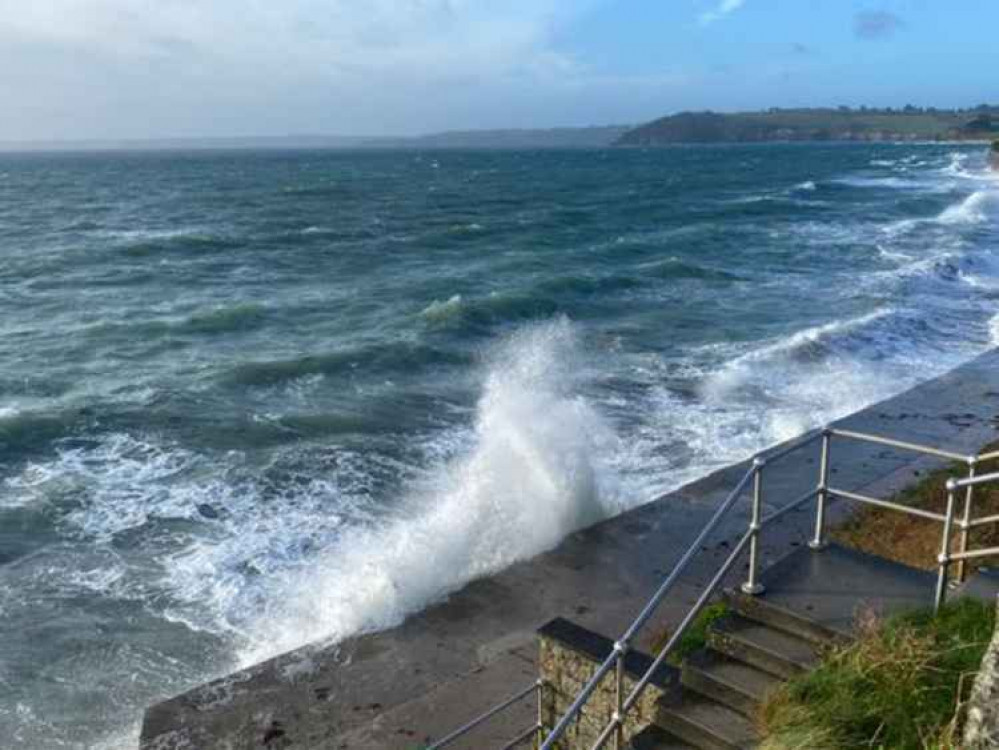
248 401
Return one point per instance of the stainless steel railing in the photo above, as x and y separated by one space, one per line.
750 539
536 688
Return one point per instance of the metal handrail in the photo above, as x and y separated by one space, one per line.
887 504
537 686
904 445
752 586
750 539
975 481
621 646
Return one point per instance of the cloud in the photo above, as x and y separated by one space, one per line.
117 68
876 24
723 9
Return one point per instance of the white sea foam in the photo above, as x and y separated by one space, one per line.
153 235
994 330
536 469
975 209
956 166
807 185
895 255
805 337
880 182
438 310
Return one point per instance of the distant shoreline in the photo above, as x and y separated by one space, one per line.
84 148
909 125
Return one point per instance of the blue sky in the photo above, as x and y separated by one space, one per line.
153 68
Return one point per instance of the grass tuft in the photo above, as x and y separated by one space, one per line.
899 686
696 636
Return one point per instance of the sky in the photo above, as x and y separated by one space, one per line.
86 69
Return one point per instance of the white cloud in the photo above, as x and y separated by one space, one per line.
724 8
123 68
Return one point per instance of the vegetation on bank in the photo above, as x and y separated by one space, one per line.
696 636
900 686
916 541
821 124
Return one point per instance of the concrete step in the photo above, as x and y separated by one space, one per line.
706 724
733 683
764 611
781 654
656 738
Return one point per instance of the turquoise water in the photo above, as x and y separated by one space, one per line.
250 400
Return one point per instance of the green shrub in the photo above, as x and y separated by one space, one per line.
897 687
696 636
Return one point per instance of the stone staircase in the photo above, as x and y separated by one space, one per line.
749 653
811 602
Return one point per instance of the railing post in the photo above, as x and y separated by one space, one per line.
943 559
965 524
818 539
539 738
752 586
621 648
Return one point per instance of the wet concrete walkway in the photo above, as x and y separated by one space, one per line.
443 666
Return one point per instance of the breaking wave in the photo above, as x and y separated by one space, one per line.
536 467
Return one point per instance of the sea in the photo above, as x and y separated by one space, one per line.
251 400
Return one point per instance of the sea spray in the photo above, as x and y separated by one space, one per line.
535 470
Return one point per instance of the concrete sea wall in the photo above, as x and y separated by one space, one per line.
447 664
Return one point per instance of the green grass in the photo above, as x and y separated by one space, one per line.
898 687
696 636
916 541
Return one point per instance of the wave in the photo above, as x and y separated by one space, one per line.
779 389
975 209
438 311
226 319
896 183
809 344
382 357
24 431
535 469
676 268
143 243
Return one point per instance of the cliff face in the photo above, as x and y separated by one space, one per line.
811 125
981 729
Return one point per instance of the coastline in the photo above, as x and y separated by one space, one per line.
460 656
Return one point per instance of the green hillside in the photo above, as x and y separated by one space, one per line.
841 124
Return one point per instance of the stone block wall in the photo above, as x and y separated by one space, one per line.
569 656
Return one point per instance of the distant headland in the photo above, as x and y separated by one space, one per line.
909 123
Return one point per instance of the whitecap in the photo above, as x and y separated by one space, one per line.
974 209
440 311
807 336
535 467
